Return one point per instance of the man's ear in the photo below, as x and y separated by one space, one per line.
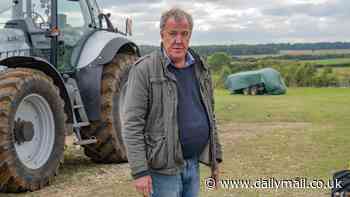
161 34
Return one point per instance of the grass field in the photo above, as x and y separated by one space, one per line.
302 134
326 62
300 52
315 52
343 73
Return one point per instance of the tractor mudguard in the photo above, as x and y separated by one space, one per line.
44 66
101 47
89 83
89 71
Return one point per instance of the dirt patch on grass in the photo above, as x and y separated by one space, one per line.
233 131
79 177
97 179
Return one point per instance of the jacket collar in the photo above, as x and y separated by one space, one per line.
197 60
188 61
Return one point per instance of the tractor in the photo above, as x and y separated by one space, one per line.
63 68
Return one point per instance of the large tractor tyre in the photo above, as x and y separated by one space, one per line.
32 130
109 147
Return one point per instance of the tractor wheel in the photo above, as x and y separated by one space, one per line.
109 147
32 130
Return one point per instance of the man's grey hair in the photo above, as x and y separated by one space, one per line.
176 13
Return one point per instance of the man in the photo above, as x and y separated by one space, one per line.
168 122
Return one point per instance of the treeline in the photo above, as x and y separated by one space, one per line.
297 74
258 49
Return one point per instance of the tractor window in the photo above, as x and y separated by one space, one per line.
70 15
75 23
39 12
36 13
6 9
73 20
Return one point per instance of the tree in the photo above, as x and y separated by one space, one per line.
217 60
225 71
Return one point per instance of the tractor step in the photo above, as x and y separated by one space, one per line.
78 106
86 142
81 124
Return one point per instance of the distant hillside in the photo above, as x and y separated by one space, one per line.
258 49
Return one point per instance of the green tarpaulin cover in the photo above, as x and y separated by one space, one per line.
269 77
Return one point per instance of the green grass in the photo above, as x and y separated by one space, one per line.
315 52
299 104
341 71
328 62
304 133
310 139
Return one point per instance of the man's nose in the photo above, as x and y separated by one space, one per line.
178 38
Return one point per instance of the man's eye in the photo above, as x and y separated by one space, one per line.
172 33
185 34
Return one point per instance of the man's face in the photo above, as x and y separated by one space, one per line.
176 38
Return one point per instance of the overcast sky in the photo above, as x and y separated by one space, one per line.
241 21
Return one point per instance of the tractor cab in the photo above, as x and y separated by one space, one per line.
31 19
77 21
53 30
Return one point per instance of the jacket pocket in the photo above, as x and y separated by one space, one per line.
157 153
154 116
157 84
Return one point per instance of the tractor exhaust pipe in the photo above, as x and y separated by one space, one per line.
17 10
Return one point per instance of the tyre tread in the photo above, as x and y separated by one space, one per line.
11 81
109 148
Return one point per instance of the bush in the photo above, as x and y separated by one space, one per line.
217 60
225 71
303 75
326 78
219 79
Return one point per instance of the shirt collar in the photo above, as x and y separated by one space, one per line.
189 59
